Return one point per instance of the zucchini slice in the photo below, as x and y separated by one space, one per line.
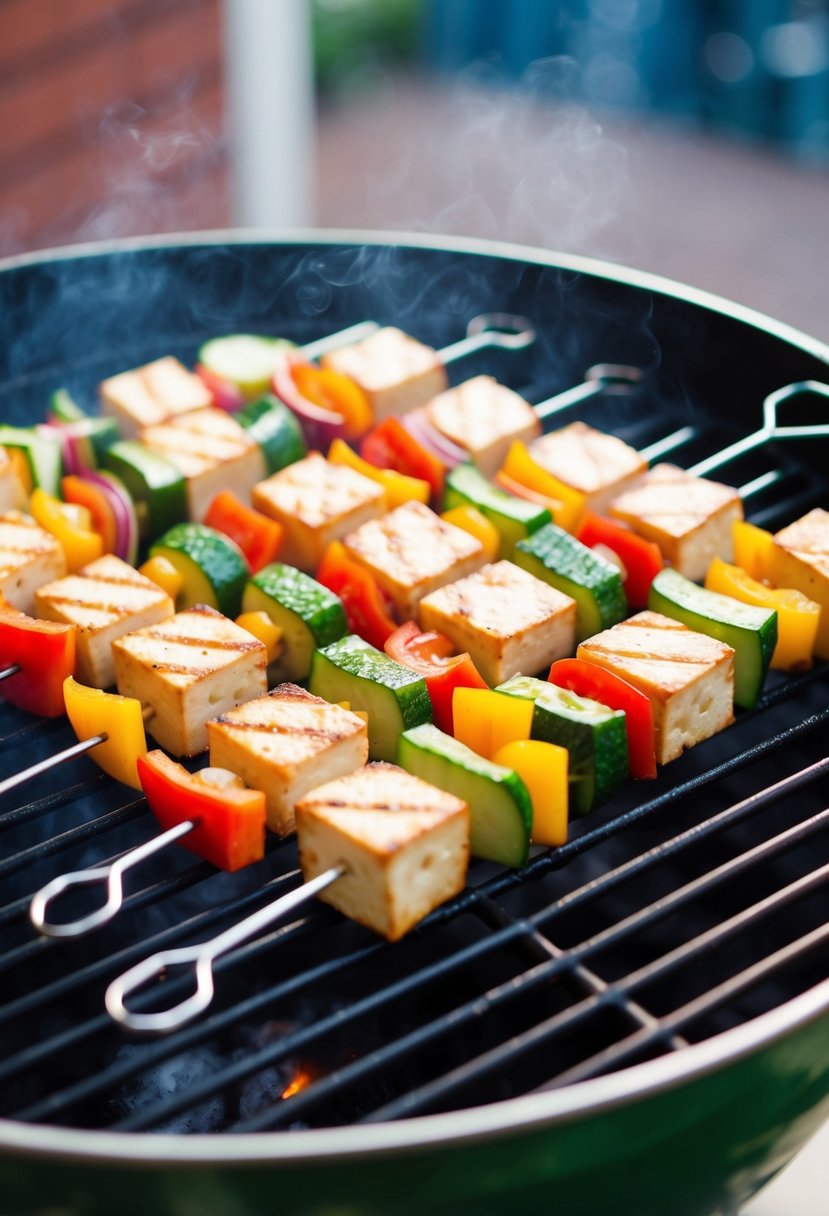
515 518
246 360
557 558
595 736
308 614
212 566
156 486
276 429
394 697
500 809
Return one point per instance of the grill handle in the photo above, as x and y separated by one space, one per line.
201 957
110 877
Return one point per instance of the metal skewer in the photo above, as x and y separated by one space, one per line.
501 329
11 670
201 957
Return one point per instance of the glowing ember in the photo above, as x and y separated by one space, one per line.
299 1081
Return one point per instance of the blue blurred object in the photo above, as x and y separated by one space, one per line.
755 67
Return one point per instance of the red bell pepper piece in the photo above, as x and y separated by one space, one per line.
641 558
390 446
257 536
365 607
588 680
430 655
229 818
45 653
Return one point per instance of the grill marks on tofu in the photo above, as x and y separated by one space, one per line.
153 393
316 502
285 743
187 669
29 557
405 845
104 600
412 551
688 676
483 417
689 517
509 621
598 465
211 451
396 372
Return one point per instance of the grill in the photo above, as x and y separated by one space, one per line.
688 907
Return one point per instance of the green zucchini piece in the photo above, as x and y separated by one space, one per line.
500 808
750 631
309 615
515 518
595 736
157 487
246 360
276 429
394 697
97 432
42 453
213 567
557 558
64 408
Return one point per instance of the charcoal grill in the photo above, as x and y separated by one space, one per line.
639 1019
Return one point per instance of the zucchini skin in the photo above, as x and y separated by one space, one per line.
217 561
155 484
565 563
310 615
751 632
514 518
270 423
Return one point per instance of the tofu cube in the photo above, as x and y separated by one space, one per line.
412 551
483 417
509 621
316 502
29 557
212 451
688 517
285 743
688 676
598 465
104 600
189 668
799 558
405 845
12 495
396 372
153 393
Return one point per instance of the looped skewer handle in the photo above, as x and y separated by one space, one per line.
597 379
503 329
770 428
201 957
110 877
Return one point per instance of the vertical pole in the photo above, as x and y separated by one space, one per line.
270 110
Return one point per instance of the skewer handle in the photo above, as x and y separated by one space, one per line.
110 877
598 379
201 957
503 329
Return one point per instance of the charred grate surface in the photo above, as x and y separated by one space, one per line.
675 913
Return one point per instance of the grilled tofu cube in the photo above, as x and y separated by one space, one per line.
187 669
29 557
483 417
404 842
396 372
316 502
12 495
412 551
509 621
689 517
212 452
153 393
598 465
104 600
799 558
285 743
688 676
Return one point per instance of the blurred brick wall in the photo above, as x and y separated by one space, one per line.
111 119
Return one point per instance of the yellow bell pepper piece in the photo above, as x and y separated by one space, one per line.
543 767
161 571
263 628
92 712
80 545
797 616
22 470
565 503
399 487
473 521
485 719
752 548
